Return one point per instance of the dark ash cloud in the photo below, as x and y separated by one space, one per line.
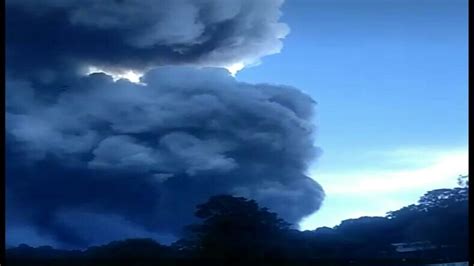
145 155
90 159
51 39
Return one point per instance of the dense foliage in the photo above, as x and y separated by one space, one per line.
235 228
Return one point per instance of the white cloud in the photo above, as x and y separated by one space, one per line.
425 168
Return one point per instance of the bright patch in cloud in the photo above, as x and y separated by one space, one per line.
234 68
132 76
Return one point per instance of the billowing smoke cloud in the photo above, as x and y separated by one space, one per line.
91 160
46 36
147 154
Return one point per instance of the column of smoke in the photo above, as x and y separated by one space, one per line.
132 159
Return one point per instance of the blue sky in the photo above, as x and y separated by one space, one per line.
390 79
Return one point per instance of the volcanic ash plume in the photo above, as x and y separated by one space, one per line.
92 159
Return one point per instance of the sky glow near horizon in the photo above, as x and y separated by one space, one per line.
407 175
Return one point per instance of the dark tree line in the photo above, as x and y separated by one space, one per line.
237 229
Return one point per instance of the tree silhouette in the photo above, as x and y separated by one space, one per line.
440 217
140 248
235 227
